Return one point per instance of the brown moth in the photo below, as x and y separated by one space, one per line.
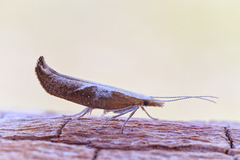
95 95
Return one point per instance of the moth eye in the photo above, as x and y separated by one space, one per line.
145 103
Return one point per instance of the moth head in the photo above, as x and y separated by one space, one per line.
153 103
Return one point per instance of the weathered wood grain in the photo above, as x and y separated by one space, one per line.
27 149
145 134
159 154
34 128
234 134
49 136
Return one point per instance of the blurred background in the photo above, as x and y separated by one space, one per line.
157 48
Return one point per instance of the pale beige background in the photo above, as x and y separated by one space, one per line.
160 48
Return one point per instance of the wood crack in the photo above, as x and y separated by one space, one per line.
229 137
96 154
62 126
230 141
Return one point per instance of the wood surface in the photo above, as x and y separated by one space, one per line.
50 136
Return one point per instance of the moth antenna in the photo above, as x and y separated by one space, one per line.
177 98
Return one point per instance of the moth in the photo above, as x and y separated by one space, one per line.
95 95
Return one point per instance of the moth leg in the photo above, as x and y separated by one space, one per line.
147 113
124 112
81 114
128 118
104 113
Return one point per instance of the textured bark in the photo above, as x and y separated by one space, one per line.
49 136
